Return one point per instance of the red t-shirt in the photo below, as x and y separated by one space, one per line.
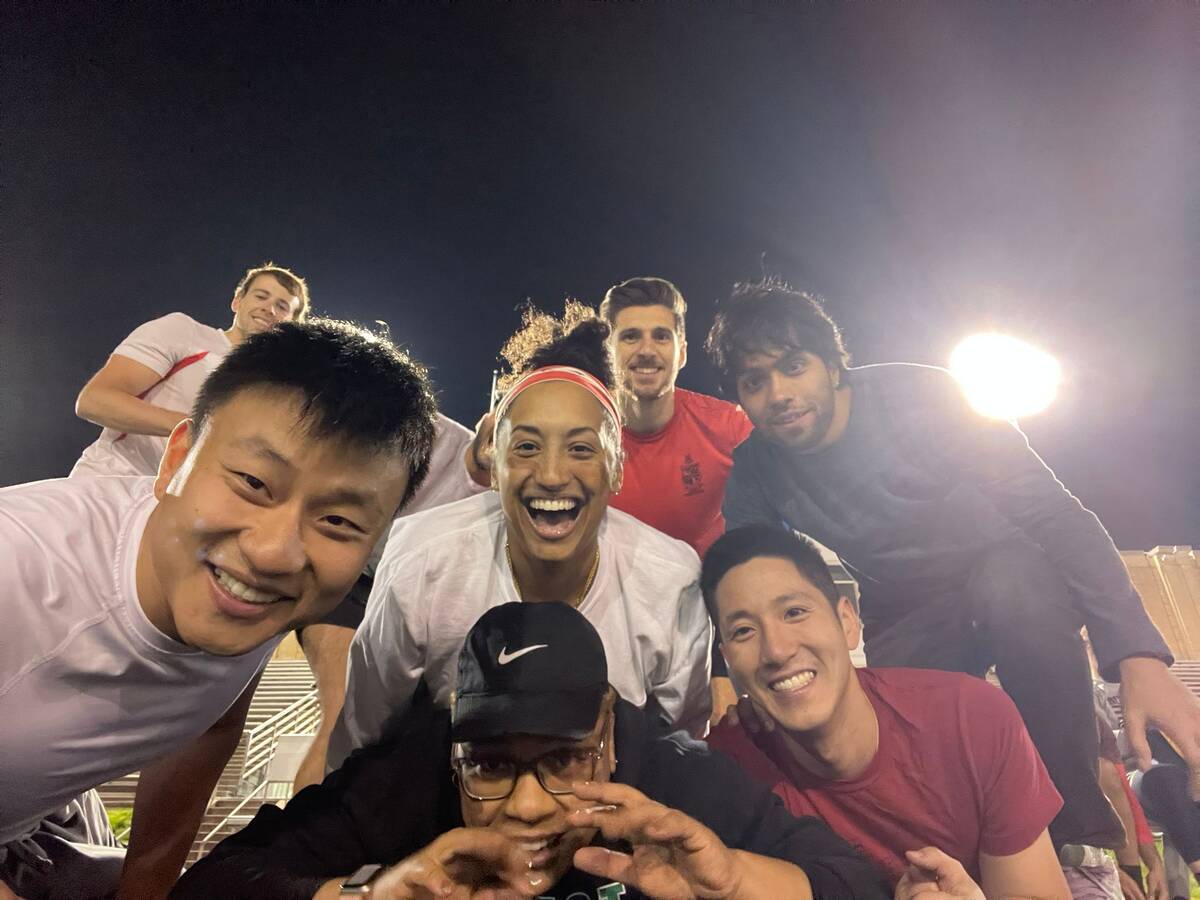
675 479
955 770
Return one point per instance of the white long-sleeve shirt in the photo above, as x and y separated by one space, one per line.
444 568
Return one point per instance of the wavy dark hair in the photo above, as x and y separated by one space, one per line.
357 387
770 315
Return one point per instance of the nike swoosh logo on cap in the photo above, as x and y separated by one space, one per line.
505 657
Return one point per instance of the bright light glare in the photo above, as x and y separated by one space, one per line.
1003 377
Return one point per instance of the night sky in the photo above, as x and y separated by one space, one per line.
931 169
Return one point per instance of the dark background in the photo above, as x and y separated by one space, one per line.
932 169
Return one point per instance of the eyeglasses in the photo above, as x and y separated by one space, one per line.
556 771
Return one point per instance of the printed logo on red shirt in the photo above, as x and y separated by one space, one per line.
693 479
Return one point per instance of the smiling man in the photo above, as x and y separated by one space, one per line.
561 789
153 376
967 550
922 770
139 611
678 444
545 535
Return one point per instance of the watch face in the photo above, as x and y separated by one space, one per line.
363 876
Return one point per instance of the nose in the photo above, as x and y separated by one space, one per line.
776 647
552 470
529 801
274 546
778 397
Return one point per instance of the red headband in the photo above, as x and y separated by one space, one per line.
588 382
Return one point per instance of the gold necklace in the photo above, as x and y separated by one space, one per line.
586 587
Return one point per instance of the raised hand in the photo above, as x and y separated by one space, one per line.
673 854
933 875
464 863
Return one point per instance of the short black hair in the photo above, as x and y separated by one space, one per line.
357 387
769 314
577 338
749 542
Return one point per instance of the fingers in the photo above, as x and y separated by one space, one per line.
754 718
935 861
605 863
1135 731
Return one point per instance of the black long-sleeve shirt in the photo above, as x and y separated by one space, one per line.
919 485
393 798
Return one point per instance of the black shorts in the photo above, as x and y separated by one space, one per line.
349 613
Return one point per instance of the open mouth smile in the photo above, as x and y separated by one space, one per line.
240 600
793 684
553 518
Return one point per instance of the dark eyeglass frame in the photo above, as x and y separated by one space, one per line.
533 765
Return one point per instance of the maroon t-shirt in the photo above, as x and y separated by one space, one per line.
955 770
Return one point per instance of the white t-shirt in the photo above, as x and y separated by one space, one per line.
182 352
444 568
89 689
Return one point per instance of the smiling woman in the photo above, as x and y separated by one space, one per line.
547 534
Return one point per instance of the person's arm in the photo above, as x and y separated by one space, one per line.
387 801
387 655
172 794
477 457
1111 783
1034 872
111 399
684 694
941 429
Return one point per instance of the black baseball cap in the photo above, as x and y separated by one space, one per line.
529 668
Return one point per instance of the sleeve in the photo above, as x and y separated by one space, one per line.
1141 826
684 694
997 457
747 816
739 427
1018 799
746 502
380 807
159 343
387 655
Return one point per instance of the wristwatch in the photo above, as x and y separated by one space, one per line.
359 884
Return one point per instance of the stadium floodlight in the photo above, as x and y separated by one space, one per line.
1004 377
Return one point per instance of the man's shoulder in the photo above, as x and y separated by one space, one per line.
906 383
933 696
56 503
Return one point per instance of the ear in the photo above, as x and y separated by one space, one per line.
682 352
235 302
851 624
179 444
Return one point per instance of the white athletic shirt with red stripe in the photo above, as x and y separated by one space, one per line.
182 351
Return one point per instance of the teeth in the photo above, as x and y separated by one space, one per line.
642 370
243 591
794 683
551 505
534 846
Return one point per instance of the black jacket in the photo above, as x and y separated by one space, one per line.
393 798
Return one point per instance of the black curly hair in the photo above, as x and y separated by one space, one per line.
769 314
577 338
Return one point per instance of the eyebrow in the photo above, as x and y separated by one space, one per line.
572 433
789 597
260 447
350 497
